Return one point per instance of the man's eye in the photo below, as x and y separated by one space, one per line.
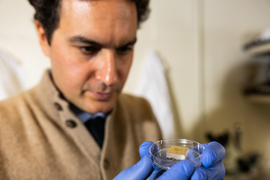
89 49
125 49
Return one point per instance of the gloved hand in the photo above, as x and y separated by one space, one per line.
212 168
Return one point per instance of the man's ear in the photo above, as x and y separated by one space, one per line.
43 39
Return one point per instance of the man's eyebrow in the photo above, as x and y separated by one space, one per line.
131 43
79 39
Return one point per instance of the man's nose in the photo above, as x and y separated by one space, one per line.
109 72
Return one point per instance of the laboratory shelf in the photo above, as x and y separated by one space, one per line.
258 98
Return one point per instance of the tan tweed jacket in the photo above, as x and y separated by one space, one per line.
41 139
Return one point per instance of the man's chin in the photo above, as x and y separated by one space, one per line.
96 106
94 103
100 96
104 109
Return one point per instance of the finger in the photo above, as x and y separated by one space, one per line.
213 153
214 173
156 173
144 148
140 171
180 171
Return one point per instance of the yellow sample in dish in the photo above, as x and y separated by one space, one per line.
177 153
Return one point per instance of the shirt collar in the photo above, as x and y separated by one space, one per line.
85 116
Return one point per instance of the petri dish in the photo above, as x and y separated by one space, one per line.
159 149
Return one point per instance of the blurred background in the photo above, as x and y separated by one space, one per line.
210 74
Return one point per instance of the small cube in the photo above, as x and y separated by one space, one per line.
177 153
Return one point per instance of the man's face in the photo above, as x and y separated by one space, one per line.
92 50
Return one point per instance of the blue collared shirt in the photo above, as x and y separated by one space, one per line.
85 116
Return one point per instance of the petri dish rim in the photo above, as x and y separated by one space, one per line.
164 141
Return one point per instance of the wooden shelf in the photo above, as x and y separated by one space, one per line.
258 50
258 98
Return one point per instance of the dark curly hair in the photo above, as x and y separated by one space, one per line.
48 13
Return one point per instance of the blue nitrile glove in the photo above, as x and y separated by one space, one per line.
144 168
212 168
140 171
212 165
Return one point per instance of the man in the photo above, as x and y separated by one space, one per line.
76 124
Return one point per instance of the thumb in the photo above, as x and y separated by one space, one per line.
140 171
212 154
144 148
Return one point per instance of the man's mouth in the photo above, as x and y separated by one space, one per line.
101 95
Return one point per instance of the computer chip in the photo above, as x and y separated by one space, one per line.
177 153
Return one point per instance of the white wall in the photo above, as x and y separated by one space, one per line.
227 26
18 35
172 30
201 41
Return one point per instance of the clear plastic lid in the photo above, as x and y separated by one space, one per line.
192 151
